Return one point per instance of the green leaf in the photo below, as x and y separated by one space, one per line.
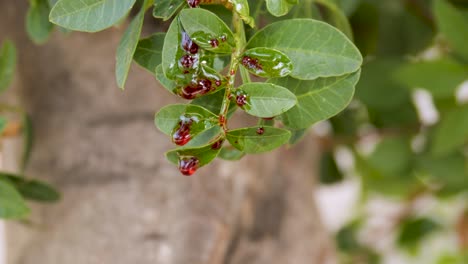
266 99
204 27
441 78
148 53
210 135
452 131
213 102
316 49
337 17
265 62
414 230
248 140
3 124
27 132
387 170
37 21
346 237
242 8
89 15
127 47
449 172
329 172
297 135
32 189
378 88
169 117
7 64
165 9
317 99
279 7
204 154
171 51
230 153
453 25
12 205
170 85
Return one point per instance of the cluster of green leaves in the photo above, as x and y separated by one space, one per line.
15 188
407 45
306 69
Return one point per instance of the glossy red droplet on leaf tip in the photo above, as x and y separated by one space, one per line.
181 135
188 166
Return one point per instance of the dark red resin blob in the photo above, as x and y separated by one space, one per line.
241 100
181 135
193 3
193 90
187 61
251 63
217 145
188 166
214 43
223 38
260 130
188 45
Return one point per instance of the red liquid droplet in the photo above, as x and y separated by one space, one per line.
218 82
187 61
260 130
241 100
214 43
223 38
232 72
217 145
188 166
182 136
187 44
204 85
251 63
193 3
193 90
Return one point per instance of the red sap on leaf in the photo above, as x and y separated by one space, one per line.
188 165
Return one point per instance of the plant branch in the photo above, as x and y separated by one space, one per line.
240 43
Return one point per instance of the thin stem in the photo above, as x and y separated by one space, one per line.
240 43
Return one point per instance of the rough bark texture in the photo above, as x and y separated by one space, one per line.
122 202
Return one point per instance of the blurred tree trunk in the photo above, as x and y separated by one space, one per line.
122 202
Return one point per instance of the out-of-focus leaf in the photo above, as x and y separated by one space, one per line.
7 64
27 132
441 78
449 173
329 172
452 131
453 25
12 205
37 21
413 231
32 189
336 17
388 169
